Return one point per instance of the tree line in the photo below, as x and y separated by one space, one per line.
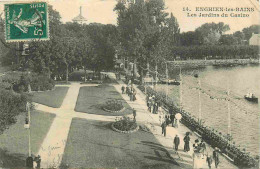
71 46
148 34
144 33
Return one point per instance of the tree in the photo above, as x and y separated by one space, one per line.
211 32
228 40
239 36
250 30
143 27
103 40
191 38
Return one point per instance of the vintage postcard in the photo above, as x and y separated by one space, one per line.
130 84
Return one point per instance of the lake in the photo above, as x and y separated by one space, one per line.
215 81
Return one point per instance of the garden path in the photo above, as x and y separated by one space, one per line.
54 143
152 122
53 146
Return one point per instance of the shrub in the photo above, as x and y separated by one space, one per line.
18 81
125 124
41 83
11 105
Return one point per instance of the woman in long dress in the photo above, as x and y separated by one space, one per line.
197 159
160 112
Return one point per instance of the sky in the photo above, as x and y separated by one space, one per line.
101 11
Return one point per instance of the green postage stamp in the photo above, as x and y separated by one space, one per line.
26 21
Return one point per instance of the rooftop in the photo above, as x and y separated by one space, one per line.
79 18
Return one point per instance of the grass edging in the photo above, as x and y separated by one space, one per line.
112 111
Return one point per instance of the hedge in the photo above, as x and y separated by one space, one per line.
18 81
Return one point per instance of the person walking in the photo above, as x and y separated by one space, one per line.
127 90
216 157
209 160
38 161
164 129
172 119
178 117
176 142
160 117
134 114
123 89
150 105
154 107
147 99
131 95
134 95
203 148
186 140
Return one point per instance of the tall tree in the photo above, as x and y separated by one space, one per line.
142 26
250 30
211 32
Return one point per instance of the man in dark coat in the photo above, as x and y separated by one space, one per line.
186 140
216 157
38 161
172 116
123 89
127 90
164 129
154 108
134 114
176 142
209 160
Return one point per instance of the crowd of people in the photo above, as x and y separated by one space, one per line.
211 136
130 91
217 139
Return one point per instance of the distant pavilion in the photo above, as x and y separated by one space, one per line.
80 19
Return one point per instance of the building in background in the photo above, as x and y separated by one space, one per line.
255 40
80 19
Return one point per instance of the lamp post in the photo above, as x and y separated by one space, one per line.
167 79
199 103
180 90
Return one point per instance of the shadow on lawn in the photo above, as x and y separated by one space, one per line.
159 150
106 126
14 160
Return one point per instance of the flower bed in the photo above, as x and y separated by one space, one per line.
125 125
114 106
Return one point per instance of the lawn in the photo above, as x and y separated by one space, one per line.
52 98
14 141
92 144
92 98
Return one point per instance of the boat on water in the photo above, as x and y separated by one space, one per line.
251 97
170 81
